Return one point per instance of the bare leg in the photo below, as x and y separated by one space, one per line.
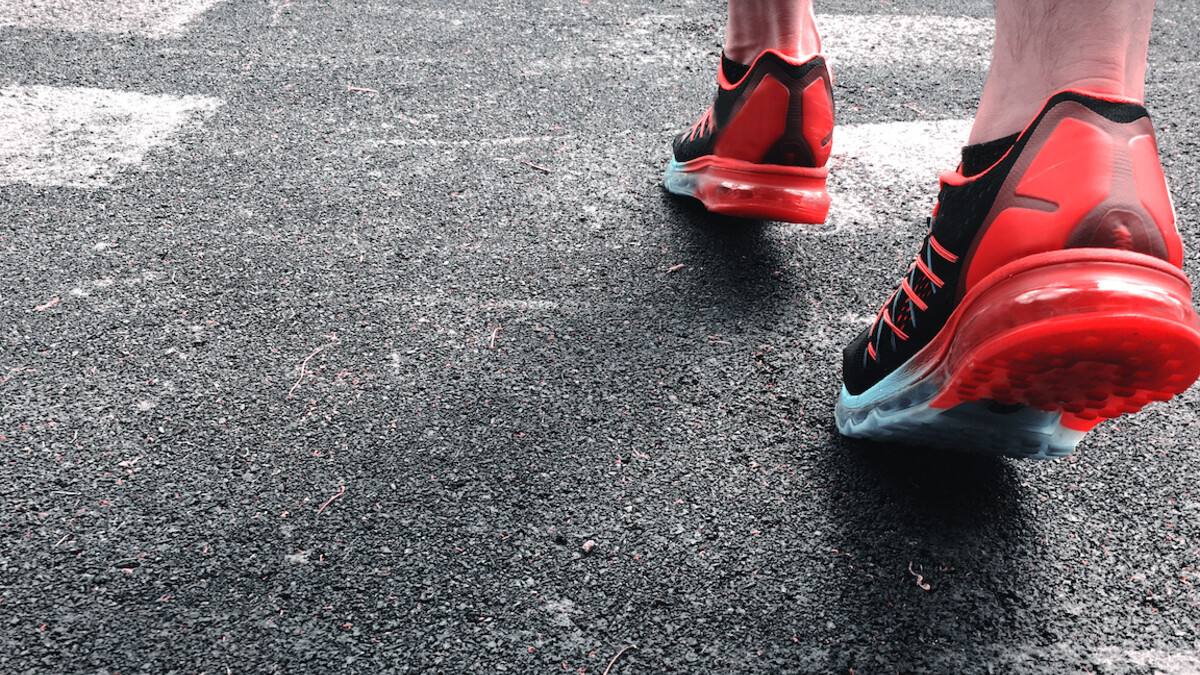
755 26
1045 46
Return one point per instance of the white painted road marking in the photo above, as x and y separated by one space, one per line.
152 18
1157 660
470 142
876 40
874 167
888 39
918 149
81 137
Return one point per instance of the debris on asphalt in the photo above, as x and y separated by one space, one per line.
920 579
341 491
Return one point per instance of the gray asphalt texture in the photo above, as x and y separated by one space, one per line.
479 348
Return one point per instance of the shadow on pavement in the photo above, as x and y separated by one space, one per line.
951 489
938 549
742 269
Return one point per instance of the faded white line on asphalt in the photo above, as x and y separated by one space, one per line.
152 18
875 166
477 305
471 142
82 137
888 39
919 149
1157 660
657 43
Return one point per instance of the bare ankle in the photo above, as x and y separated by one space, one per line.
1046 46
785 26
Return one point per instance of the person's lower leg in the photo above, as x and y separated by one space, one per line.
1045 46
755 26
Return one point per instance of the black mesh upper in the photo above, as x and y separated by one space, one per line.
727 102
962 212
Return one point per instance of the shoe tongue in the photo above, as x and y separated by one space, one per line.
732 70
979 157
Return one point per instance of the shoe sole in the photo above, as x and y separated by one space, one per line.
1039 354
749 190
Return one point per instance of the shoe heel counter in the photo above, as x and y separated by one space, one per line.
1154 194
786 119
1136 213
808 137
1091 181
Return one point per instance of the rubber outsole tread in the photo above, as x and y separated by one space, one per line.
1047 398
1093 378
1030 364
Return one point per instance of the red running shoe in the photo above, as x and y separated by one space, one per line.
1048 296
760 149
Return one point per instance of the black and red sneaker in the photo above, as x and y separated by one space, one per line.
1047 297
760 149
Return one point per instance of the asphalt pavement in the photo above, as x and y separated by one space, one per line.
361 337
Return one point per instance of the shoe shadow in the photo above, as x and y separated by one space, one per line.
931 488
942 546
737 265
